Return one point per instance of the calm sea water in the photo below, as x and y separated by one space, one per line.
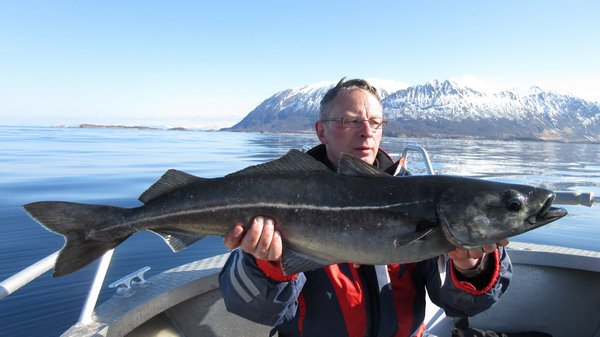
109 166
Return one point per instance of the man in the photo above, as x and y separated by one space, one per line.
352 300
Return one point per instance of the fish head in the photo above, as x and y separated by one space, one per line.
478 212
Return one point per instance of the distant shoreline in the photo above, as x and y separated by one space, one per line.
99 126
130 127
150 128
179 128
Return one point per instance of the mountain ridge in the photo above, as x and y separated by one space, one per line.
444 109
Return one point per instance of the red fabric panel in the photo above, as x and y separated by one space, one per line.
403 291
272 270
351 299
302 312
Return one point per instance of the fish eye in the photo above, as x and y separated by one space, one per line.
514 205
513 200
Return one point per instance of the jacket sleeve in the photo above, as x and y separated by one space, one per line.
462 297
249 293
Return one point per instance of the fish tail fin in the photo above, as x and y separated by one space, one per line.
85 228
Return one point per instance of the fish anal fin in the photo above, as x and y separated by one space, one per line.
177 240
170 181
294 161
352 166
401 241
294 262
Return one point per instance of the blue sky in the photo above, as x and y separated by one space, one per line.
207 64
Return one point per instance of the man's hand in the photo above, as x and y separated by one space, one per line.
469 258
261 239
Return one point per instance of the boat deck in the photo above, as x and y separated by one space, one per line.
554 290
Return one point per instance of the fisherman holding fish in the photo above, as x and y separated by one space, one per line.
348 299
324 253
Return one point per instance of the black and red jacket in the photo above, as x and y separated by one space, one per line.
340 300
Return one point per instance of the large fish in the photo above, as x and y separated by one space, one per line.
360 215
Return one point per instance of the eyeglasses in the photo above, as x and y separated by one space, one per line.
354 122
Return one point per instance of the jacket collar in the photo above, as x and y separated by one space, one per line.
383 161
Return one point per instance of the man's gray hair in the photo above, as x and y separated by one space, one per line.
344 87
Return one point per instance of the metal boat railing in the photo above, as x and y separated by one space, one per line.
32 272
22 278
424 155
13 283
92 297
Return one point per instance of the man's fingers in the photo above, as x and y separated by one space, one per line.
503 243
233 237
461 254
466 258
458 253
489 248
261 240
476 253
276 247
253 234
264 243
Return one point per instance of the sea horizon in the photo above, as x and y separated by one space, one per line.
135 126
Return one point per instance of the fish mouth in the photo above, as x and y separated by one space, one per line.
547 213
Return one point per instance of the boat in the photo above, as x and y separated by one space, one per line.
554 289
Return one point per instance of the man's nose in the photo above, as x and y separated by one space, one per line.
366 130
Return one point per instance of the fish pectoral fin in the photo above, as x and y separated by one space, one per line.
401 241
294 161
177 240
293 262
170 180
352 166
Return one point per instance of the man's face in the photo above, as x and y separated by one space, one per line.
361 142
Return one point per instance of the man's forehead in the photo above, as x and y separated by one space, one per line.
368 110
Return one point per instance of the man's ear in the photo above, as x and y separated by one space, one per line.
320 129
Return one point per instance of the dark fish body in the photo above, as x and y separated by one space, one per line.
360 215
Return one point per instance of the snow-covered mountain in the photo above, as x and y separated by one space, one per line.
297 109
445 108
449 109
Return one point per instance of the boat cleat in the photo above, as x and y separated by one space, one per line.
126 283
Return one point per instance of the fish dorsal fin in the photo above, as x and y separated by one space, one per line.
170 180
294 161
352 166
177 240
